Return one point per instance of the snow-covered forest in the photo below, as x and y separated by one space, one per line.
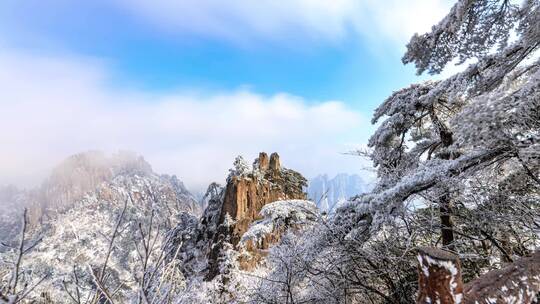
453 217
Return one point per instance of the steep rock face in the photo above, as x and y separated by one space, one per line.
205 250
248 192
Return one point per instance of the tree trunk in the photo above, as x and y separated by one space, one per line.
447 226
445 205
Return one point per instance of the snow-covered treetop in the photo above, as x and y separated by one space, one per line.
470 30
437 130
240 167
299 210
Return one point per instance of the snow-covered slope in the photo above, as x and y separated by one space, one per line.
279 216
329 193
79 237
75 236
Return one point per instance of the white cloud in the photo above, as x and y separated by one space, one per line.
246 20
52 107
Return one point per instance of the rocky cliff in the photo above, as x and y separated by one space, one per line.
247 192
277 218
232 211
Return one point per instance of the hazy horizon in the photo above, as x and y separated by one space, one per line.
301 79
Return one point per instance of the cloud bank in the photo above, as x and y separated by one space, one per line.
52 107
241 20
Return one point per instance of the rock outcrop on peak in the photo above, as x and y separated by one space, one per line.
231 211
247 193
244 197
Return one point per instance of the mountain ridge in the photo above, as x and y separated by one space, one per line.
331 192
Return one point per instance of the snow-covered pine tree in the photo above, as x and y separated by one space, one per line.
469 144
437 134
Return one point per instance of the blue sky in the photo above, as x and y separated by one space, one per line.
313 70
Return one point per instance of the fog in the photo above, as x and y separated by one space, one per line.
53 107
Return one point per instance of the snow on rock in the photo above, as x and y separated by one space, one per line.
518 282
440 276
281 215
76 237
278 218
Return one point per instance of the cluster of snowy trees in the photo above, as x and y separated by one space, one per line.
458 165
106 245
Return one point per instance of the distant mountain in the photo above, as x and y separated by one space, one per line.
74 213
329 193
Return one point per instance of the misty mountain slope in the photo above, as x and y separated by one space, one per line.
330 193
79 237
76 175
69 181
76 235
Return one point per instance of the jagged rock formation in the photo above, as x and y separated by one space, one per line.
230 213
247 193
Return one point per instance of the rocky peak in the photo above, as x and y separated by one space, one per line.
246 193
274 162
262 162
83 172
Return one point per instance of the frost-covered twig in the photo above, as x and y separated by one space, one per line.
15 274
98 279
14 295
100 286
